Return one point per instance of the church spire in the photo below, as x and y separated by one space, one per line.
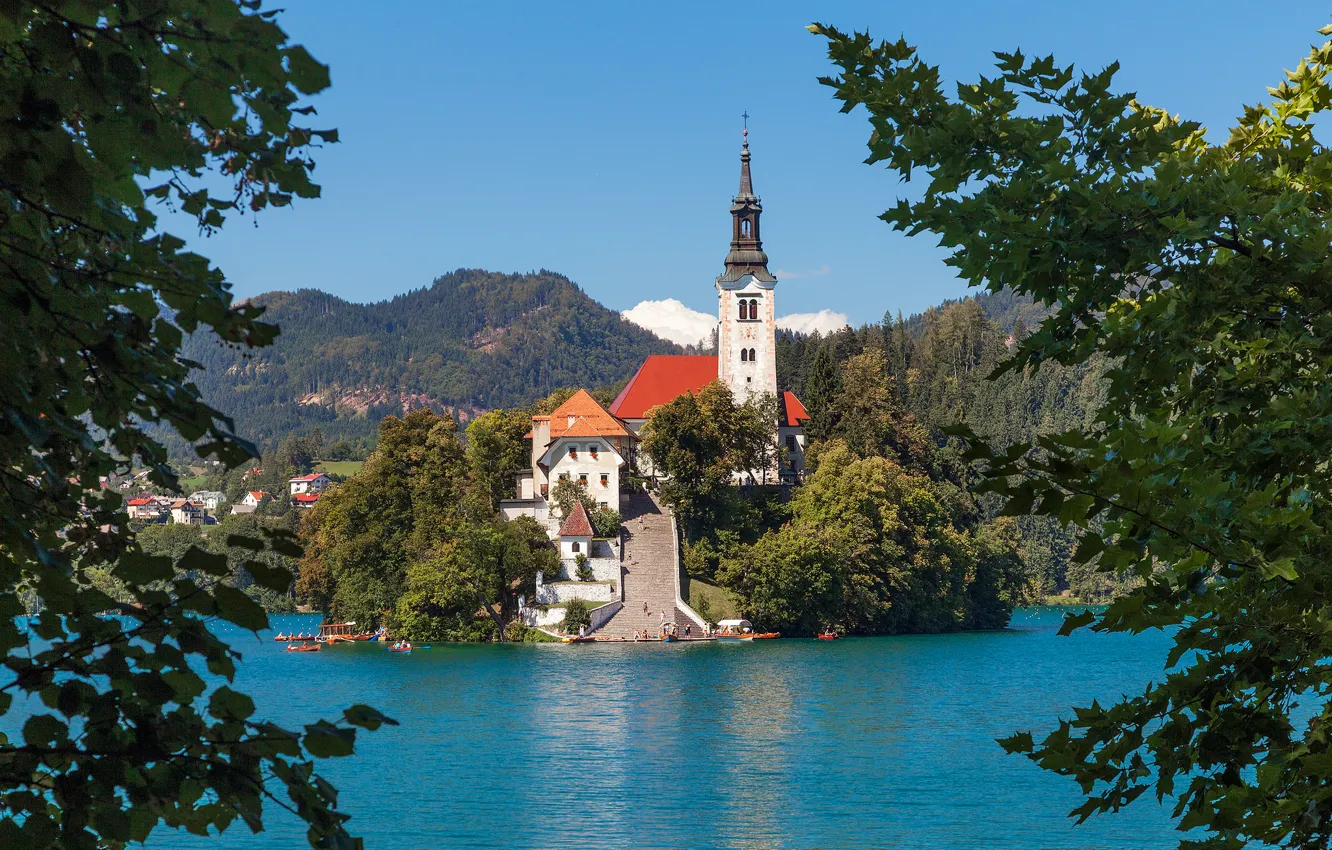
746 255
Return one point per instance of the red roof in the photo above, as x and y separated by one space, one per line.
311 477
577 523
793 413
663 378
585 415
258 494
141 501
306 498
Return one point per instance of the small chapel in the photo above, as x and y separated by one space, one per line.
586 441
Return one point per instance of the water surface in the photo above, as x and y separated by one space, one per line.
872 742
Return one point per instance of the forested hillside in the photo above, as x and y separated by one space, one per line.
938 362
474 340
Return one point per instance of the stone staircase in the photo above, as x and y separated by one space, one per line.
647 572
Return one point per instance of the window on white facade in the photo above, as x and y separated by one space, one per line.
592 450
582 478
752 358
574 546
744 355
605 479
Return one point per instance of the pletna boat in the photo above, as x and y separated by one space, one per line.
734 631
302 647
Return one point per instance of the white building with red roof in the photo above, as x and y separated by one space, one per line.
315 482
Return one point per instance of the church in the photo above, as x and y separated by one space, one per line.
593 444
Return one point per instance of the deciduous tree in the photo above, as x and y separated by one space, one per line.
1199 271
108 108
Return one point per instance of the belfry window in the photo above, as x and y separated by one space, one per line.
744 355
744 228
744 310
752 358
753 309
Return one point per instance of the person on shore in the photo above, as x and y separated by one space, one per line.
686 630
645 607
661 618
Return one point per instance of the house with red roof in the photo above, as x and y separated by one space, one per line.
305 500
580 440
315 482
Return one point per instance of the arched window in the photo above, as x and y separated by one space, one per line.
752 358
744 227
744 355
753 309
744 310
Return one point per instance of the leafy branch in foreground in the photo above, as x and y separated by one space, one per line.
1200 271
110 106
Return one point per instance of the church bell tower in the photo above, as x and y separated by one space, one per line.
746 309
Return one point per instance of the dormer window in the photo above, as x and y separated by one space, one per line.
573 453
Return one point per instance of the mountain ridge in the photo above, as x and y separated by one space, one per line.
471 341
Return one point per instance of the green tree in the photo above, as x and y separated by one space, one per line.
497 450
576 614
1197 271
112 107
820 390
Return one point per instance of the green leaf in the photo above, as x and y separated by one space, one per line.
366 717
234 606
324 740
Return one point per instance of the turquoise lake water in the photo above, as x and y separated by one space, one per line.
871 742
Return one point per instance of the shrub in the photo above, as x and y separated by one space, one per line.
576 614
583 571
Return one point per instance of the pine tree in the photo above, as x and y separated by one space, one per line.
820 391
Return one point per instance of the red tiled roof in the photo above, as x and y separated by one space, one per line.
311 477
793 413
577 523
663 378
258 494
590 418
141 501
306 497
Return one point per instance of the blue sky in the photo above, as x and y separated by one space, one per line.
601 140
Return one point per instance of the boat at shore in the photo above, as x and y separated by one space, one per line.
735 631
827 636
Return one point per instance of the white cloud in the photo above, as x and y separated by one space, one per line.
783 274
669 319
824 321
672 320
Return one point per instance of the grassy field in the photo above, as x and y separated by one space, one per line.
718 602
345 468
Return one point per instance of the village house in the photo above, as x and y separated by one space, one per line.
305 500
251 502
315 482
210 499
144 509
185 512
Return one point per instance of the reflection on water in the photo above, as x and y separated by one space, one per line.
885 742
